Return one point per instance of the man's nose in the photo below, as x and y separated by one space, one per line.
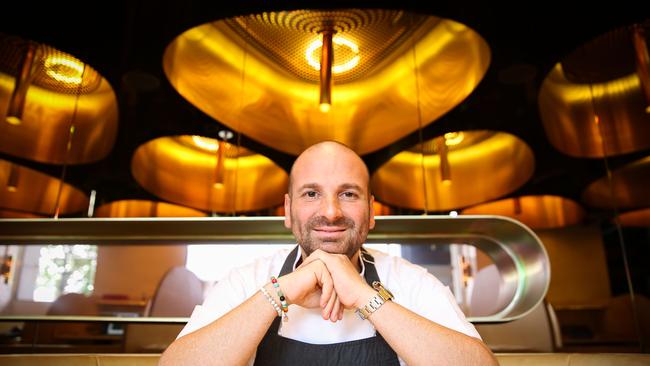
331 209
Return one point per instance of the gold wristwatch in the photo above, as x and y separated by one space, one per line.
376 301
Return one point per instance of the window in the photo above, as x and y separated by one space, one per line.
52 270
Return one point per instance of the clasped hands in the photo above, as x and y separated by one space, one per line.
327 281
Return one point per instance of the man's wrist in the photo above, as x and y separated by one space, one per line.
380 297
366 294
286 288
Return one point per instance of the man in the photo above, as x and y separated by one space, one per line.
324 280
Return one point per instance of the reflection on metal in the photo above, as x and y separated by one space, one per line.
107 319
499 161
142 208
599 79
642 62
515 249
57 79
268 90
637 218
179 170
537 212
37 192
630 188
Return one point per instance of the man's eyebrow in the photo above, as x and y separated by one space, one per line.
351 186
309 186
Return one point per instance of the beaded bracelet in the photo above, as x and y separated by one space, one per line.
275 304
283 300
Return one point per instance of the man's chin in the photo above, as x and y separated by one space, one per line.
331 246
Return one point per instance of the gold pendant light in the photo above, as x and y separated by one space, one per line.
371 84
41 91
181 169
33 192
605 81
537 212
484 165
636 218
627 188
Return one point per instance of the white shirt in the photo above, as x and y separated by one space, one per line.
413 287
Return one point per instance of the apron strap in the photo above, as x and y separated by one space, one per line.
287 267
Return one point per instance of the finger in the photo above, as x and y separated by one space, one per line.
335 315
309 260
328 312
341 309
314 256
327 288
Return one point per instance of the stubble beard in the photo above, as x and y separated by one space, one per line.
349 244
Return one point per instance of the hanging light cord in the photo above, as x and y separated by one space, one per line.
241 106
68 146
617 223
420 136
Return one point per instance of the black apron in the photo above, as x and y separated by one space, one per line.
277 350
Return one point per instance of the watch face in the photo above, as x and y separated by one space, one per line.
379 287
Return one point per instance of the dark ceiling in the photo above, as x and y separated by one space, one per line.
125 43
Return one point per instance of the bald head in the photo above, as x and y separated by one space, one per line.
328 153
329 205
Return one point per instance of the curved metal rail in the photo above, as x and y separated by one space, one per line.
517 252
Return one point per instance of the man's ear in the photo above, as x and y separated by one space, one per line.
371 217
287 211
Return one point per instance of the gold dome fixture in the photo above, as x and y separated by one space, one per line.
144 208
12 214
186 170
537 212
32 192
381 209
629 188
636 218
450 172
266 75
53 107
596 102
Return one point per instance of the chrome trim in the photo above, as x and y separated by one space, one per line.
515 249
78 318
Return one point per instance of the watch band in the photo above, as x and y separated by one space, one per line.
376 301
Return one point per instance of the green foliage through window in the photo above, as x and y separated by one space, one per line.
63 269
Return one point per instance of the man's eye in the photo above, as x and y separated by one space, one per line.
349 195
311 194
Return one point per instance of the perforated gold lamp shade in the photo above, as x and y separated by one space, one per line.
253 76
49 109
34 192
488 165
179 171
537 212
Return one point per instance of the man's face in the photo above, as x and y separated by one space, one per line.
328 207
